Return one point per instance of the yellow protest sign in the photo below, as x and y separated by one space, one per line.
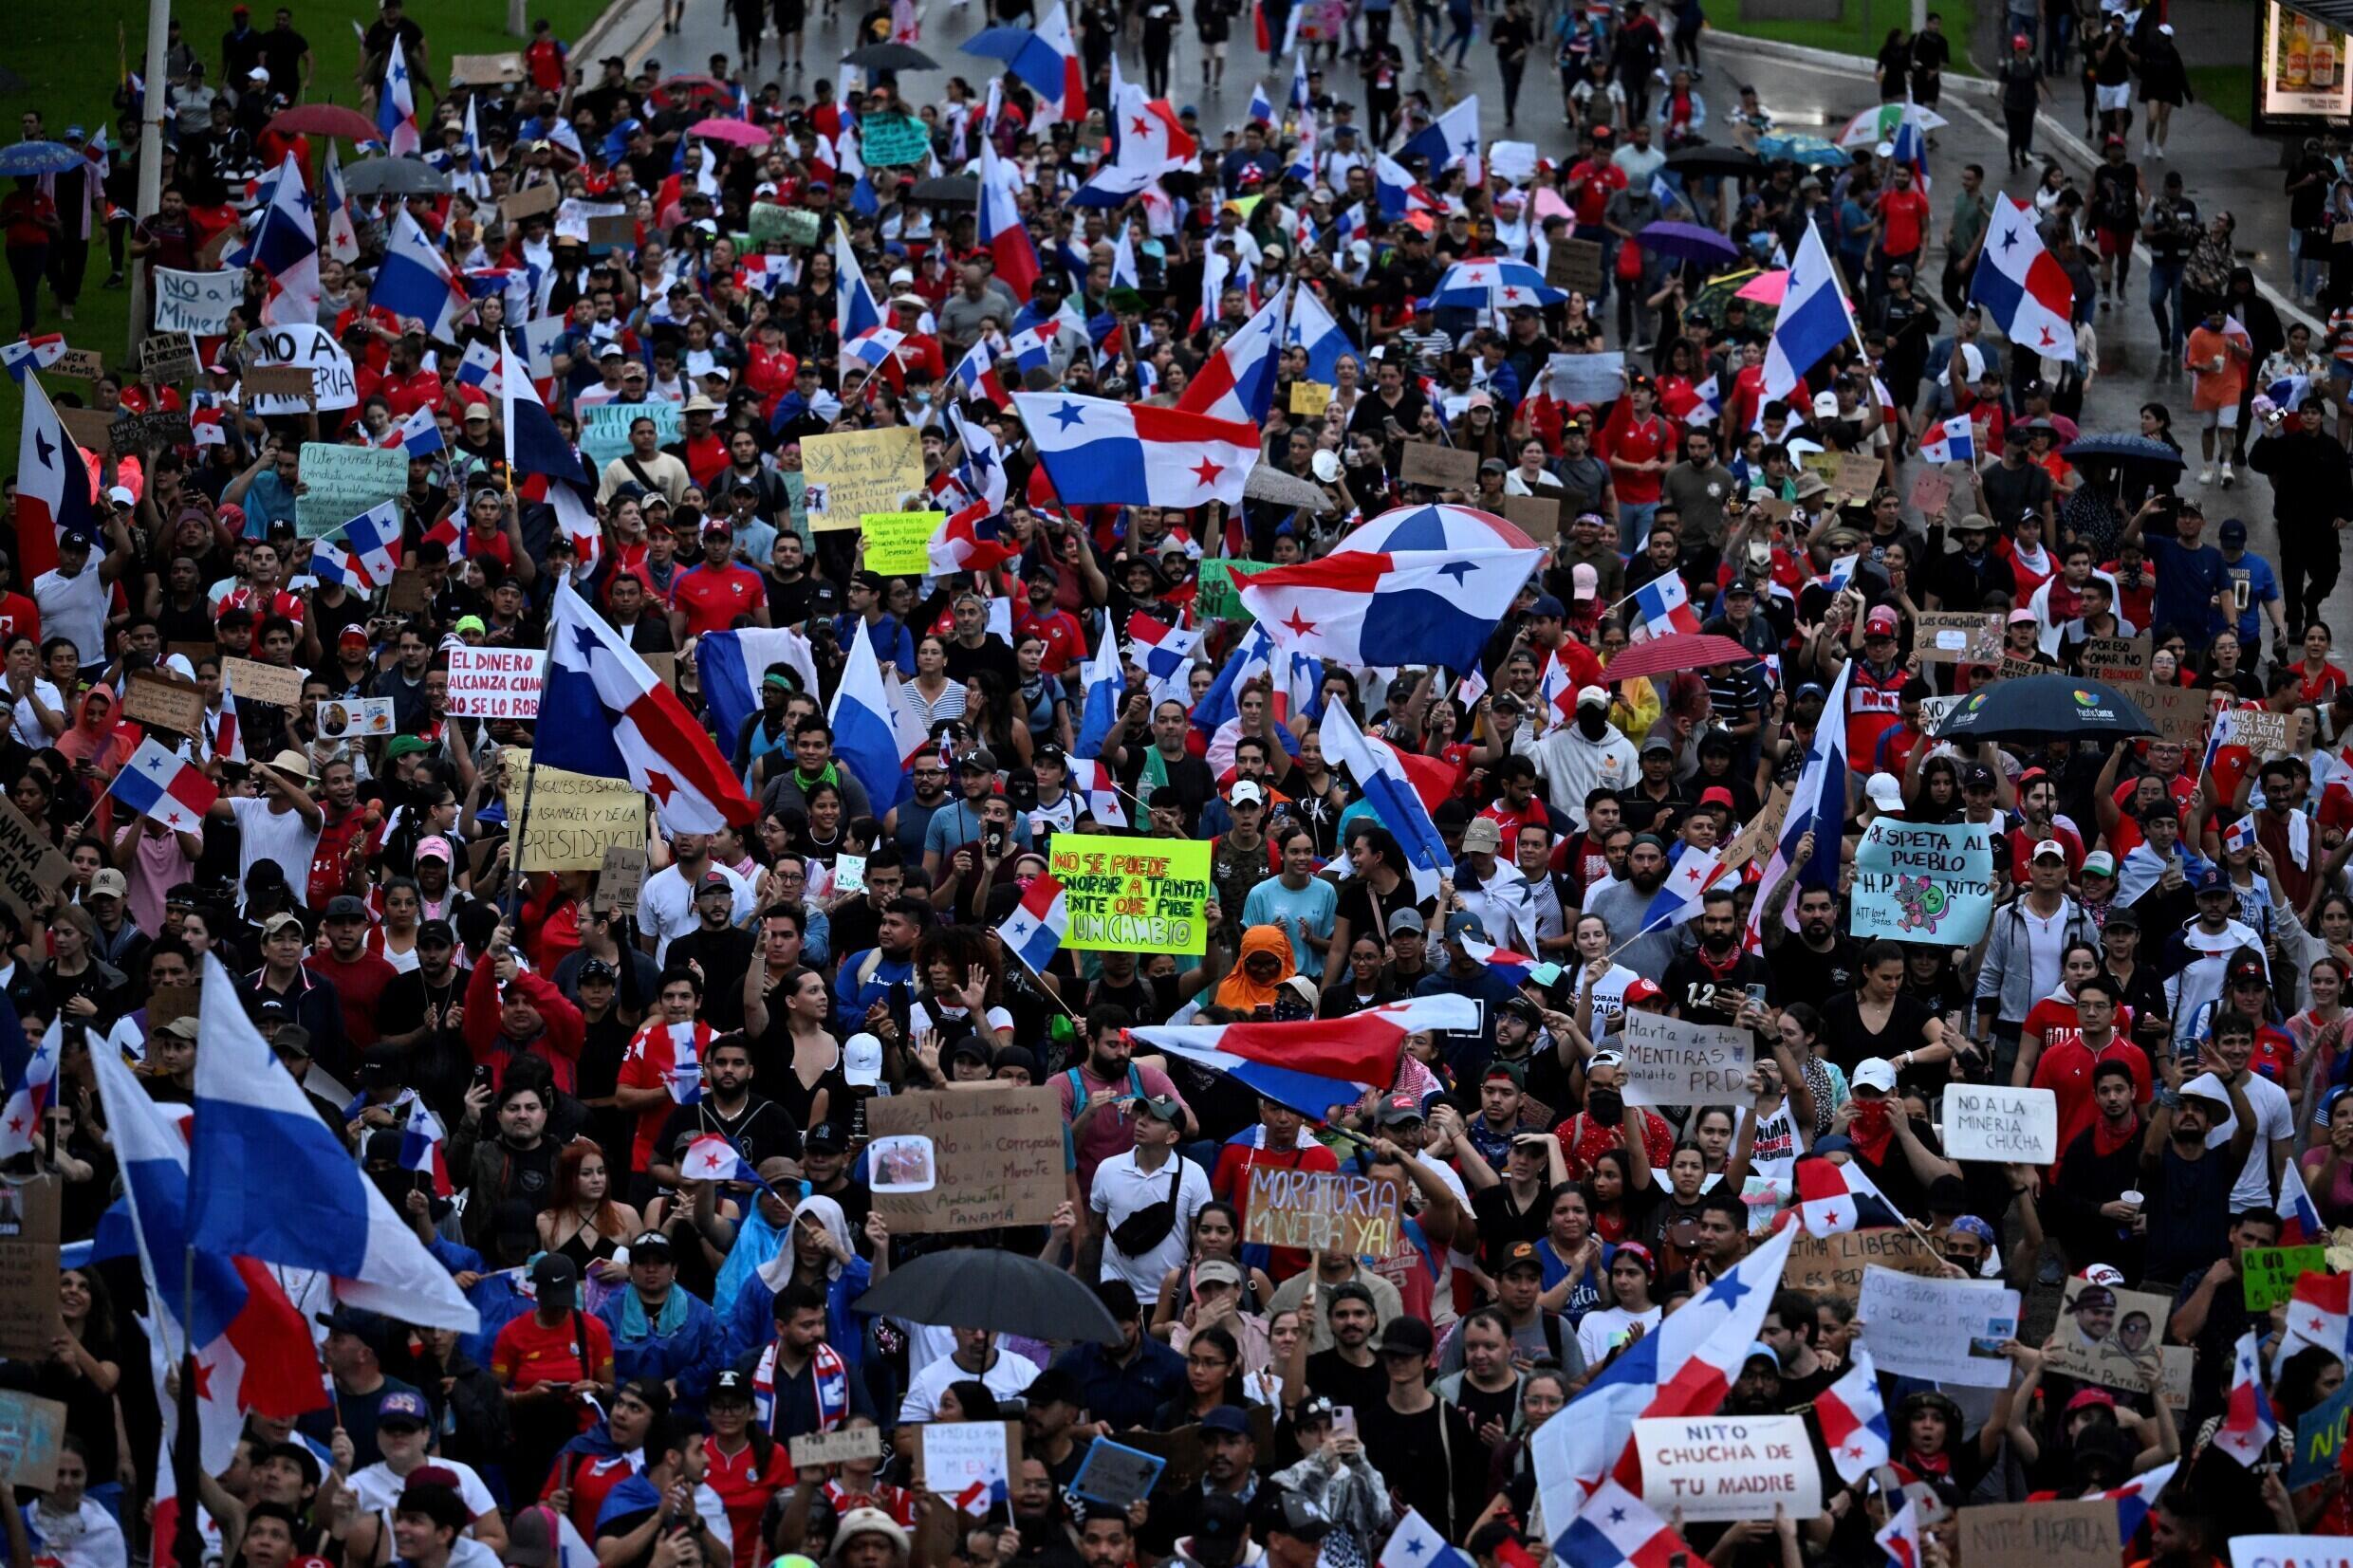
1135 894
852 472
899 543
1309 397
574 818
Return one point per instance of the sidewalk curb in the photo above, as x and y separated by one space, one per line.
622 28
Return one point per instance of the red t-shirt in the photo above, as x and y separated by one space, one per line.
27 214
1065 641
1903 221
359 985
1645 441
2067 1064
711 598
528 1353
647 1066
744 1488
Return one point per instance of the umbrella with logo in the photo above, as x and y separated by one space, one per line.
2043 708
38 157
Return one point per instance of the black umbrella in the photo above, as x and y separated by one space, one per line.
1703 157
949 190
2125 449
2042 707
890 57
397 177
982 1287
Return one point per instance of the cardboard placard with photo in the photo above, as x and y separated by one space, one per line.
2117 1340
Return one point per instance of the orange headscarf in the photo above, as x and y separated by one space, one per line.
1243 994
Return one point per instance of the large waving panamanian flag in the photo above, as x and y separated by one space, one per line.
1664 605
1315 1063
1100 454
1047 60
420 1147
1379 771
396 105
269 1181
1035 930
1237 381
1361 607
1954 441
416 283
2022 286
1854 1418
159 783
1813 318
604 713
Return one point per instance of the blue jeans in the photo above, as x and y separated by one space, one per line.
1634 520
2165 305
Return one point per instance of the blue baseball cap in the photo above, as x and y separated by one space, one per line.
404 1406
2211 879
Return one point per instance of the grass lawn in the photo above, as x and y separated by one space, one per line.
70 57
1860 29
2228 90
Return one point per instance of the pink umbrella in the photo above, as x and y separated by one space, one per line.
736 131
1765 288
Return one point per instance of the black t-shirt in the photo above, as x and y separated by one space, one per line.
1847 1039
1358 1387
1801 974
991 657
1482 1407
1641 813
2011 493
759 1131
1692 986
724 955
1412 1454
1501 1222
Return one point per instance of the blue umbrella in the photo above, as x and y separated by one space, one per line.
2045 708
1811 151
39 158
1689 242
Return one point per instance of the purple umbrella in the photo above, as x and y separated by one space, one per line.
1688 242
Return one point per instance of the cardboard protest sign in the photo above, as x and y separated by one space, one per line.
1583 379
849 473
81 365
1984 1121
1322 1211
1949 637
1676 1062
575 818
2269 1274
409 591
1719 1468
1218 599
900 543
481 70
133 434
196 302
339 483
267 387
334 384
662 666
1575 264
1948 1331
604 427
2179 712
2111 1338
30 866
497 683
2036 1534
841 1446
1833 1265
1309 399
1136 894
528 202
1858 475
355 718
1762 831
2116 659
620 878
1439 468
1537 516
966 1161
275 684
155 697
1931 494
2320 1435
168 1004
1922 882
169 357
92 430
1116 1475
29 1316
32 1430
2267 735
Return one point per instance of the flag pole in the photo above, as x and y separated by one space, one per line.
523 815
187 1447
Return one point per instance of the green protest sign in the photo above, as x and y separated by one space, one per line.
1922 882
2269 1273
801 226
768 221
890 140
1218 600
899 543
604 427
339 483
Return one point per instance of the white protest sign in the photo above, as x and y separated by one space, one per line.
1729 1468
1675 1061
2291 1552
2010 1126
335 385
1947 1331
1514 160
1592 379
196 302
958 1454
497 683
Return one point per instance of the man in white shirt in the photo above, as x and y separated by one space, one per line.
666 904
72 599
1138 1182
976 1357
404 1431
281 823
2275 1118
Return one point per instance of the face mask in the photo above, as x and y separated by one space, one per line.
1592 723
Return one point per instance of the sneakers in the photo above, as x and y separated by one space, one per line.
2227 474
2206 475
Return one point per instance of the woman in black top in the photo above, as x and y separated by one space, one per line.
1879 1019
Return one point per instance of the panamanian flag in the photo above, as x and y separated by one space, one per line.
1035 930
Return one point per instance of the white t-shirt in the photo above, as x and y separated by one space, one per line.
265 833
27 724
74 607
666 904
377 1488
1599 1332
2275 1119
1006 1377
1122 1189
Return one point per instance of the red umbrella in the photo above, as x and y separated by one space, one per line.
1675 653
327 120
739 132
673 91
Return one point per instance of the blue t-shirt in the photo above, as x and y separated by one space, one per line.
1309 910
2262 588
2187 580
